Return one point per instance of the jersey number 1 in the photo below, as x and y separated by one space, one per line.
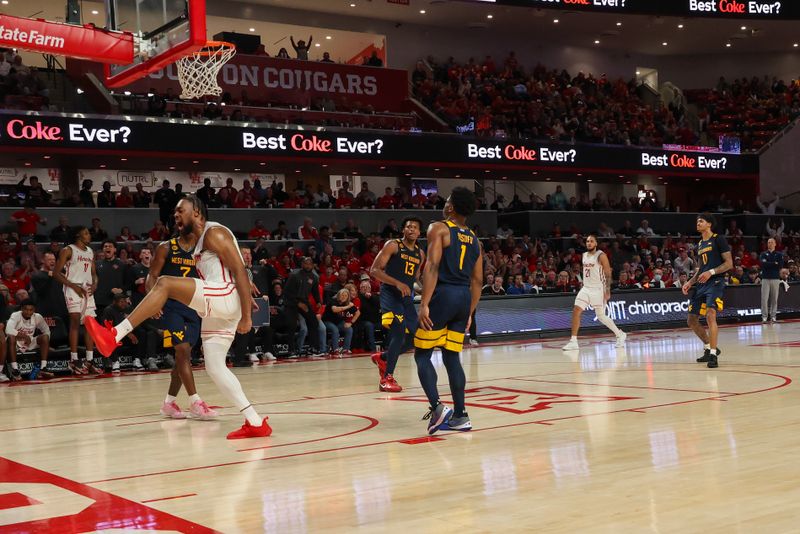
463 254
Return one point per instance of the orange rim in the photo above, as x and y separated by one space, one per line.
212 48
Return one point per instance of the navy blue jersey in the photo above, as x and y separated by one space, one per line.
404 265
459 258
179 262
709 254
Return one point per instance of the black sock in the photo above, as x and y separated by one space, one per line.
427 375
458 381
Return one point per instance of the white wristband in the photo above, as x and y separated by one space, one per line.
713 272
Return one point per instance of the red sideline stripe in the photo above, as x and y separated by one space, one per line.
169 498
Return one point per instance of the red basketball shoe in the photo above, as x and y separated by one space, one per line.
250 431
381 363
104 337
390 385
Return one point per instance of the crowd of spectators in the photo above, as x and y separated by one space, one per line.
21 87
505 99
753 110
344 299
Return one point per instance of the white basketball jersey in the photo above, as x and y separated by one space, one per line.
209 265
593 275
79 266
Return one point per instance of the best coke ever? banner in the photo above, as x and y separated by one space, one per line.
51 133
741 9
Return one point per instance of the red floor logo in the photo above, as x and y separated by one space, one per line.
520 402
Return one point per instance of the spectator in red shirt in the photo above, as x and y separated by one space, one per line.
292 201
124 199
244 199
307 231
387 201
14 280
159 232
27 220
344 199
258 231
418 200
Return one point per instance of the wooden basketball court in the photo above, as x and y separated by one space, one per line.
610 440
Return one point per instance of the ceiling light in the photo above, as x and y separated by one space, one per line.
95 12
664 43
102 166
252 29
680 26
297 171
27 164
328 37
796 45
195 161
262 163
352 5
743 28
489 16
237 170
458 176
4 2
589 180
555 21
421 11
597 41
127 93
727 45
619 24
172 168
80 91
123 159
46 157
316 44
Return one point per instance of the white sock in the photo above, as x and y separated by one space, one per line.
123 329
169 399
14 365
89 355
707 347
194 398
42 364
226 381
574 338
252 416
73 356
606 320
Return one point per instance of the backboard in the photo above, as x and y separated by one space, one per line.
163 30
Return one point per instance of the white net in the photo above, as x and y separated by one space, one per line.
197 72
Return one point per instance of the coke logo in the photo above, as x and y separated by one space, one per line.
682 161
520 153
301 143
17 129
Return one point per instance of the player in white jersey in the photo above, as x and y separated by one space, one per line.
594 294
21 330
75 270
221 297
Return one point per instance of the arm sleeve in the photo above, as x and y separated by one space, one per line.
11 324
41 325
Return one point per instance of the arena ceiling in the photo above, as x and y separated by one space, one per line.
632 33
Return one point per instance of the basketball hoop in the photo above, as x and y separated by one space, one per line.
197 72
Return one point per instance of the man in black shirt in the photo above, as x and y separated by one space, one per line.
49 293
95 232
61 233
206 193
141 198
112 276
302 284
166 200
